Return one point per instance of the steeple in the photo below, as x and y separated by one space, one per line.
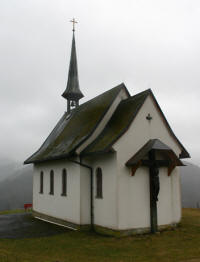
72 92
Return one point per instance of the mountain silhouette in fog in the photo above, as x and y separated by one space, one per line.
190 184
15 185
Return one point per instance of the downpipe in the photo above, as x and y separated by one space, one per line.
91 191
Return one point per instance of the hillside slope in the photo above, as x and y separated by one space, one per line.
16 189
190 185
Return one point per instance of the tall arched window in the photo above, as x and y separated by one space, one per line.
51 182
99 188
64 182
41 182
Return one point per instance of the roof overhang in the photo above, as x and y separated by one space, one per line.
170 159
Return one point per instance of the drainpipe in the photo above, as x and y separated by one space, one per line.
91 191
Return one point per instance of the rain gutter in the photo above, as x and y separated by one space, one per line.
91 191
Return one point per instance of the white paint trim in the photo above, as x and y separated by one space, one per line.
56 223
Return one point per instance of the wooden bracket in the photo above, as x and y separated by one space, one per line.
135 167
171 168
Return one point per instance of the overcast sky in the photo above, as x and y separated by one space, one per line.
145 44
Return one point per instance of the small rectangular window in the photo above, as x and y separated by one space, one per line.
41 182
64 183
99 182
51 183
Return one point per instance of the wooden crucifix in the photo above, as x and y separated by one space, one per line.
154 165
170 161
154 190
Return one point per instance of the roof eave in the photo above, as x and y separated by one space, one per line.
64 156
184 153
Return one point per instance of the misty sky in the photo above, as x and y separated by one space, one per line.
145 44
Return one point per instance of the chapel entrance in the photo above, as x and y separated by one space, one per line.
154 155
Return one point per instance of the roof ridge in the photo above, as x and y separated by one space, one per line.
120 86
148 91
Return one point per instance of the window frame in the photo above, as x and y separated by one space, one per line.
64 182
51 185
99 183
41 182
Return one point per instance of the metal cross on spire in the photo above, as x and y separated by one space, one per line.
74 22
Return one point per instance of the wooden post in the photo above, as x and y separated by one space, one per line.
153 202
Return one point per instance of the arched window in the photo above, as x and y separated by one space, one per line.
51 182
41 182
99 189
64 182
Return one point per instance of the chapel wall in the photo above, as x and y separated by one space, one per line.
58 206
165 198
133 191
85 201
105 209
176 193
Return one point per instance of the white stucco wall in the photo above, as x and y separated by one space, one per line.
133 200
105 209
85 200
133 197
63 207
176 195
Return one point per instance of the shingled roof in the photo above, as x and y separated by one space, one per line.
118 124
72 130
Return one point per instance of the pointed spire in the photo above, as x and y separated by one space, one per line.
72 92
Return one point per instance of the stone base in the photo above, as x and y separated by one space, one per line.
100 229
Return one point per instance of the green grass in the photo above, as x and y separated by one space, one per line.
16 211
181 244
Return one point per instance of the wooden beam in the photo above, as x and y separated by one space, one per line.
159 163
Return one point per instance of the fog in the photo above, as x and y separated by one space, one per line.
145 44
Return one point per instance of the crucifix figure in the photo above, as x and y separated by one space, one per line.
153 166
74 22
155 182
154 189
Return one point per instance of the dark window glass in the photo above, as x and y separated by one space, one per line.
41 182
64 182
51 183
99 189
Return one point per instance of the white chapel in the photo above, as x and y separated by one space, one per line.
110 164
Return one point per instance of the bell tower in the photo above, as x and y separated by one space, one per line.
72 92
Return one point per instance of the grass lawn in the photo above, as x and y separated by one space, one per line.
16 211
181 244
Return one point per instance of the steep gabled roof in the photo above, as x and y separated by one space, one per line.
72 130
120 122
